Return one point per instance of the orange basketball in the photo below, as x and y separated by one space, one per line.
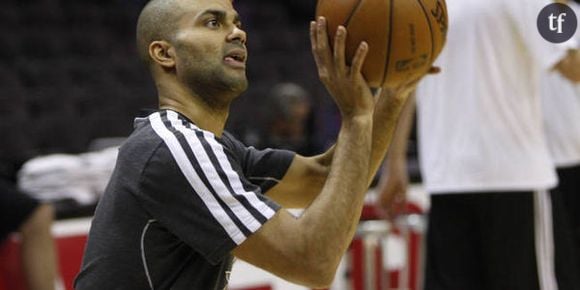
404 36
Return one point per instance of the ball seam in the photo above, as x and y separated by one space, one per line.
431 57
352 13
390 42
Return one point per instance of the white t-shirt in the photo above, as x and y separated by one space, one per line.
561 105
480 123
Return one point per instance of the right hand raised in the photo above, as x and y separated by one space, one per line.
345 83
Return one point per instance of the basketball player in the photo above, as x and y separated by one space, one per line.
561 105
186 196
483 153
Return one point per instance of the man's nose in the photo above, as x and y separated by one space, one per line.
238 34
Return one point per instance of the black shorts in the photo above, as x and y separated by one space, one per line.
569 190
497 241
15 208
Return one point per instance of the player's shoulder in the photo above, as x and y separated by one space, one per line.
143 140
169 131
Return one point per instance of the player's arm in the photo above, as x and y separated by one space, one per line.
308 249
303 181
569 66
392 187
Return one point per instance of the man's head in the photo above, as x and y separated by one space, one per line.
199 43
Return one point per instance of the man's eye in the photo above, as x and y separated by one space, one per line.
213 23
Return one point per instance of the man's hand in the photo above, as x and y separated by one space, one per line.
392 188
569 67
345 83
402 92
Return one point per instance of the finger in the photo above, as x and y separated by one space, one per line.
320 63
313 35
339 48
359 58
322 41
314 40
434 70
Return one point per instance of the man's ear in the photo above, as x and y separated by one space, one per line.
162 53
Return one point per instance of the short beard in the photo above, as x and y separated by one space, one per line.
214 87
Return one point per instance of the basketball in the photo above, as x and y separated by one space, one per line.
404 36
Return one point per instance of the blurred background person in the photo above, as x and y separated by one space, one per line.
561 106
483 154
288 125
22 214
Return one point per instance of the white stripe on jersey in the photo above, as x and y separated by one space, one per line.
232 175
234 178
194 180
213 177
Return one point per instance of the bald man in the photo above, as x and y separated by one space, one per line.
186 196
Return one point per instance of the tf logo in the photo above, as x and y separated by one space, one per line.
557 23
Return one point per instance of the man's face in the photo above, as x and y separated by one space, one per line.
210 48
